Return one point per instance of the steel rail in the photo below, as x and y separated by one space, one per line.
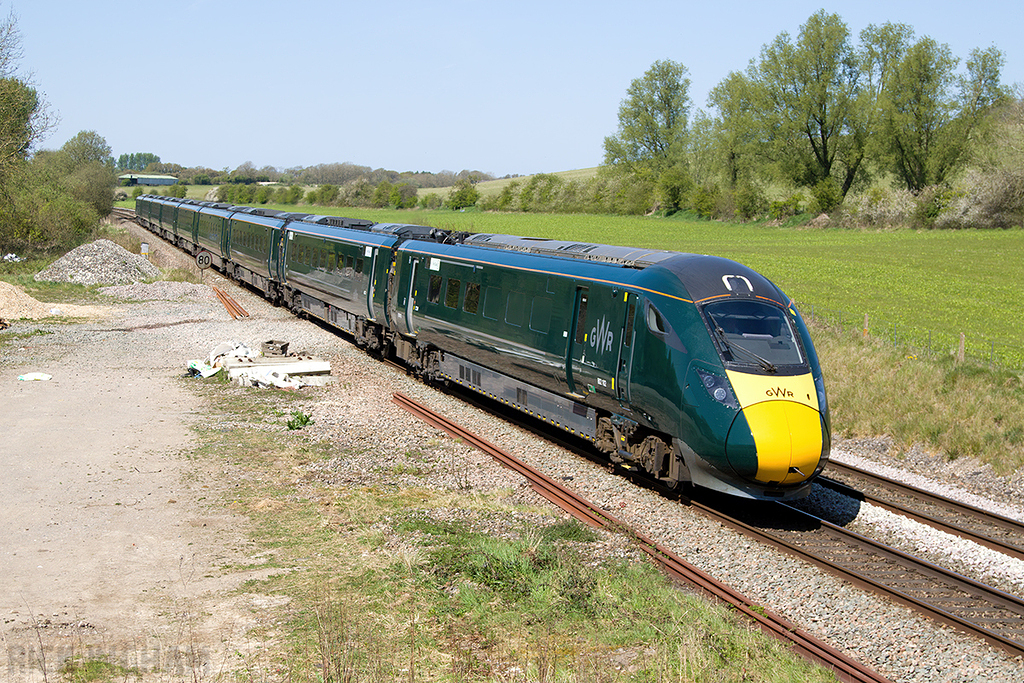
230 304
941 578
844 667
993 522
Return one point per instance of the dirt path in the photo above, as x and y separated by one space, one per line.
109 542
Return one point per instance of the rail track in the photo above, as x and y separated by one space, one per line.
960 519
845 668
956 600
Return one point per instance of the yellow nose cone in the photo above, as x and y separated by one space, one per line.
787 436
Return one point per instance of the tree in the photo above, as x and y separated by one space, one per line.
919 115
463 194
24 119
137 161
931 114
652 121
18 105
734 135
805 97
87 147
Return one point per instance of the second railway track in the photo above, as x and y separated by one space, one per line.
986 528
944 595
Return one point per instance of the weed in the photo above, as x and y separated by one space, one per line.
96 670
178 275
299 419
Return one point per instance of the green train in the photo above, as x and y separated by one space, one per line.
695 369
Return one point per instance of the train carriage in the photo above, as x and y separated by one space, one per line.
254 242
186 218
629 348
211 232
336 270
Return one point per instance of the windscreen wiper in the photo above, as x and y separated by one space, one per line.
766 364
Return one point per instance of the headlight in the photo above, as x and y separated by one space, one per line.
718 388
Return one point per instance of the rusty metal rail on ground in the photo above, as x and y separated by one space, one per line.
845 668
230 304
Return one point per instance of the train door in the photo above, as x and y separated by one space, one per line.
409 308
625 364
577 333
371 252
594 349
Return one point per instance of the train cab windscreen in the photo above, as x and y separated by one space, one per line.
754 333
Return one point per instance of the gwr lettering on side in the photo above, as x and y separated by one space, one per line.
779 392
601 336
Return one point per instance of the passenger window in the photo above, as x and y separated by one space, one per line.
581 318
514 309
540 316
359 265
451 296
472 297
434 292
493 301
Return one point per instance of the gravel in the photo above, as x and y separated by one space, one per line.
99 263
376 440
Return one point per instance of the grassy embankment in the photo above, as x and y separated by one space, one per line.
397 581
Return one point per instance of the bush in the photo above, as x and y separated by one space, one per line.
674 188
431 200
782 209
705 201
931 202
827 196
750 201
879 208
325 195
283 195
987 200
463 195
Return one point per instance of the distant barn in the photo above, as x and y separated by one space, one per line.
142 179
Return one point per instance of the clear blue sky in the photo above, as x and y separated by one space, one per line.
502 87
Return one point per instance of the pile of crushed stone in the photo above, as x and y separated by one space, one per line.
99 263
17 305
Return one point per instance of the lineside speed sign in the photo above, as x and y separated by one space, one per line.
204 260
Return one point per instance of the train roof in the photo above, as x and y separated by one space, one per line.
630 257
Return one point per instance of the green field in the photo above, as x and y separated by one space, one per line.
940 282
